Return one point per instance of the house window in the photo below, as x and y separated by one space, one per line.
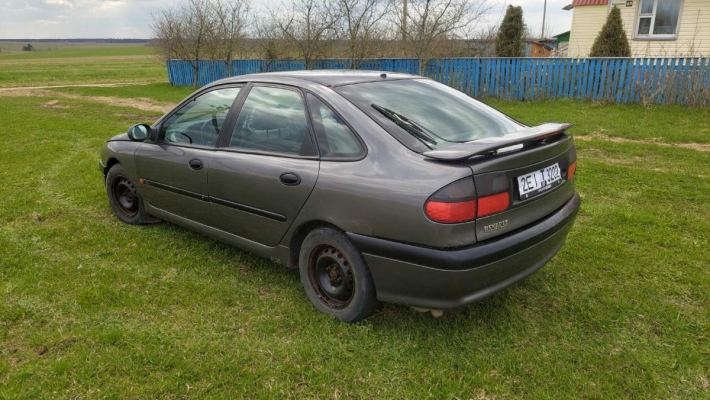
658 19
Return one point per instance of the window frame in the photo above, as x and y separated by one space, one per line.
158 138
651 36
360 156
223 142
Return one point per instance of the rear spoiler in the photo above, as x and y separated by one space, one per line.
463 151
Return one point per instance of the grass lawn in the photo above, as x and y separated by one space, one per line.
91 307
673 124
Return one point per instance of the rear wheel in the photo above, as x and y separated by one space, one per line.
124 199
335 276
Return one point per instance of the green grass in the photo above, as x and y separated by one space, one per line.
143 312
674 124
67 71
157 91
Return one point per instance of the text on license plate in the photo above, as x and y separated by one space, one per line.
539 181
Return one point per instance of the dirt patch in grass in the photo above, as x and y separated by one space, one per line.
599 136
54 104
648 163
20 88
141 103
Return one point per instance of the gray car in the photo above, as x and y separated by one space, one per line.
377 186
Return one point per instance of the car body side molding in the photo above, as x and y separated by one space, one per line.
249 209
173 189
216 200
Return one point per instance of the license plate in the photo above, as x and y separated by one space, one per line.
536 182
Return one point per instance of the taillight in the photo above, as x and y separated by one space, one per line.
451 212
454 203
493 204
571 170
457 202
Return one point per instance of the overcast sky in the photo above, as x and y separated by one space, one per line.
40 19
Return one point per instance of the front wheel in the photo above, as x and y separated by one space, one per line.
335 276
124 199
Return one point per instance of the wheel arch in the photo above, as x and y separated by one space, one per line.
299 235
110 163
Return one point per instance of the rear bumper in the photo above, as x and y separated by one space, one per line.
443 279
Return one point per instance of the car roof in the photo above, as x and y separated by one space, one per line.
330 78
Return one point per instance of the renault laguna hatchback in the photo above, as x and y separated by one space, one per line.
376 186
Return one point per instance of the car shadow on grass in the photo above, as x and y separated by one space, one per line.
488 312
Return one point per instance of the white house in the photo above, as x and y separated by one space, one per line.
655 28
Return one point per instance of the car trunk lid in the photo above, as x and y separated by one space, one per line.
499 168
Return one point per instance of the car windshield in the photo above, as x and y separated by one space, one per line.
434 113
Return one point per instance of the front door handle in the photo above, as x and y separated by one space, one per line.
290 179
195 164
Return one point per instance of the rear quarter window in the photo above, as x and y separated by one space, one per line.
335 139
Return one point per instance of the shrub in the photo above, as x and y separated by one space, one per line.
612 41
509 41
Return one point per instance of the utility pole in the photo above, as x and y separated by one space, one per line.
404 25
544 12
404 20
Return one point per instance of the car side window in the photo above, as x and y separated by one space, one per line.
273 119
335 139
200 121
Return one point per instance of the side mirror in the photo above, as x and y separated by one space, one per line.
139 132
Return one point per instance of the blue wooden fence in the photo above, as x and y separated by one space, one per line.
622 80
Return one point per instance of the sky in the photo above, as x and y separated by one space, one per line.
63 19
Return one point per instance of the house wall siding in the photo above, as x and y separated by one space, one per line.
693 35
587 21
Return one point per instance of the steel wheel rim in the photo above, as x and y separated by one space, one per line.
331 276
125 196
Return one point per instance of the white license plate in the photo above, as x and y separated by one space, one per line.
537 182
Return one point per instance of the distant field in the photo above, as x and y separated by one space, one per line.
13 50
78 63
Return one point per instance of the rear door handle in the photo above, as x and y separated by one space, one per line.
290 179
195 164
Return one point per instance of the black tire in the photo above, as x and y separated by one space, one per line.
335 276
124 199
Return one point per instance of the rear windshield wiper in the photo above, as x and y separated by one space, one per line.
405 123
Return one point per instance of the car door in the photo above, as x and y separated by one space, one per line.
262 174
173 170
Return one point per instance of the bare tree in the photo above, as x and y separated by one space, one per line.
433 24
483 43
360 28
232 17
308 26
166 28
269 41
186 33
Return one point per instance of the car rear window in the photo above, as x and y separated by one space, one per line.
445 115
